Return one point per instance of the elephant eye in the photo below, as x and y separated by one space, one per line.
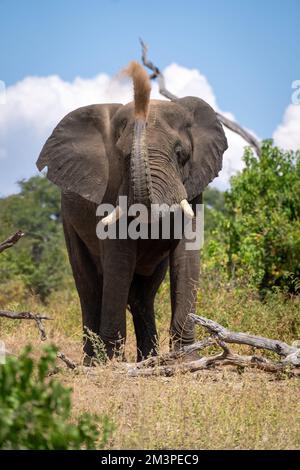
122 126
181 155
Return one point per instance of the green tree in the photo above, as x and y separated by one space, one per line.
214 204
40 259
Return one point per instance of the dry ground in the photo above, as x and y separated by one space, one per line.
226 409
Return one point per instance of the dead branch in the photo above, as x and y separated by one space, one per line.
69 363
233 126
23 315
12 240
28 316
168 371
208 362
259 342
173 356
161 366
156 73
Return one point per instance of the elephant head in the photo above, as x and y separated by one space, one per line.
153 151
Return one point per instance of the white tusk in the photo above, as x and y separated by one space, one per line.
113 216
188 211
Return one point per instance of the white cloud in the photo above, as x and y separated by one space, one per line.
287 134
188 82
34 105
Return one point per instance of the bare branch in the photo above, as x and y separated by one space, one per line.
41 329
209 362
23 315
172 356
156 73
233 126
163 366
258 342
28 316
171 363
11 241
168 371
69 363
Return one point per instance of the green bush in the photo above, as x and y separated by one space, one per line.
35 409
258 234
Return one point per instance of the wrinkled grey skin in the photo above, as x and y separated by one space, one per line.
99 152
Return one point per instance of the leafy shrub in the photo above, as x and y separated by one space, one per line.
258 235
35 410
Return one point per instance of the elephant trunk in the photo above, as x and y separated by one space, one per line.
139 165
140 171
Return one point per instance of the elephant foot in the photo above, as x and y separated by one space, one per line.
115 350
143 355
89 361
177 345
190 357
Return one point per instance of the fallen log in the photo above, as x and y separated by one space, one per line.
173 356
221 336
258 342
208 362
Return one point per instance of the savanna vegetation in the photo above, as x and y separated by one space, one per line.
250 282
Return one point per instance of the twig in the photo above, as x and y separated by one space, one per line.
23 315
41 329
12 240
233 126
28 316
69 363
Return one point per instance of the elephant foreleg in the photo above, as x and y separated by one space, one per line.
88 283
184 278
118 269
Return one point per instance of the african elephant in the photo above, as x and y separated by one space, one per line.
152 151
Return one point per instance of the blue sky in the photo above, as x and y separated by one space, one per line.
246 50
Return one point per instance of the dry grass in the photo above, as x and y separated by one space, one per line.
209 410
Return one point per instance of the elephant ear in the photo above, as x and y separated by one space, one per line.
209 144
76 151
